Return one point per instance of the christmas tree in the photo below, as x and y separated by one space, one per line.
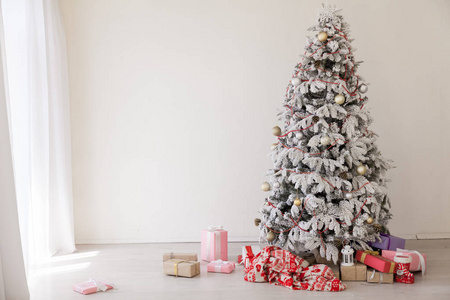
328 185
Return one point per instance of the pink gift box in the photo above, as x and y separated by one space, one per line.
90 287
419 261
214 244
219 266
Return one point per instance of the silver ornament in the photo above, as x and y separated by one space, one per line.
363 88
349 195
295 81
276 185
299 135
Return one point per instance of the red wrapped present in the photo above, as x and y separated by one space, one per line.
249 253
239 260
374 260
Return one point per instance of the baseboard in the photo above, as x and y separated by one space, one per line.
407 236
252 239
241 239
433 236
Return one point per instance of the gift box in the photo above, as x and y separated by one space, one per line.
249 253
419 260
374 276
357 272
183 268
182 256
92 286
220 266
388 242
214 244
372 259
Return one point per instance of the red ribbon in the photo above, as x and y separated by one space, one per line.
250 254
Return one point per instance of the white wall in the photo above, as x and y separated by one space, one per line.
173 104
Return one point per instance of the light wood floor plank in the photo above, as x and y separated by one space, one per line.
136 269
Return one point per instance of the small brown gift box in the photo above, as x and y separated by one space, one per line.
378 277
183 256
181 268
357 272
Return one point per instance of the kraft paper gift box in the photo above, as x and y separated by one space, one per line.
357 272
372 259
182 268
183 256
92 286
388 242
220 266
214 244
419 260
374 276
249 253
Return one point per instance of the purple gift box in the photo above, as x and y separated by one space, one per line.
388 242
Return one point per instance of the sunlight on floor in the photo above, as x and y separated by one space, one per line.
61 269
70 256
63 263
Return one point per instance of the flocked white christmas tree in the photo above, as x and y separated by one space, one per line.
328 185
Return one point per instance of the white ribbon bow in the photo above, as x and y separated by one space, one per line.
215 228
421 258
99 283
218 264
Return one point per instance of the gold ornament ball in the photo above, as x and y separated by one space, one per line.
339 99
369 220
361 170
297 202
276 131
265 186
271 236
274 146
325 140
322 36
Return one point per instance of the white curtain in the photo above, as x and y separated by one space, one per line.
39 125
13 284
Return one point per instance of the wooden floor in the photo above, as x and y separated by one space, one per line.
135 269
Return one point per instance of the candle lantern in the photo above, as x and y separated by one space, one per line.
347 256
